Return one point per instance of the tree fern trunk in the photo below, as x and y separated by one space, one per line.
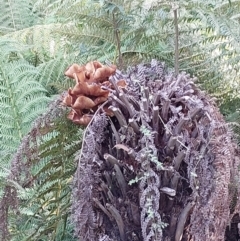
161 168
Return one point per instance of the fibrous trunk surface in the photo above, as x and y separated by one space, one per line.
164 167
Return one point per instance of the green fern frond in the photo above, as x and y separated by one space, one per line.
78 31
51 73
44 212
44 194
44 41
21 99
50 8
16 15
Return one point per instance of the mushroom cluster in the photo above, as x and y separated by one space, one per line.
92 88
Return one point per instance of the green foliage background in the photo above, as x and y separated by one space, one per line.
39 39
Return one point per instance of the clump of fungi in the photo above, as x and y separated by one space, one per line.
92 88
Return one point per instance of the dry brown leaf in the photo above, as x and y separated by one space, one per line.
122 83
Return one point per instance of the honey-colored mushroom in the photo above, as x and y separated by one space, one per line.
69 99
103 73
83 102
79 118
83 88
74 68
92 88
